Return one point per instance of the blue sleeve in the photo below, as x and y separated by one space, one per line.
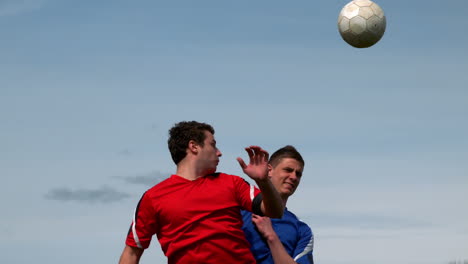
305 246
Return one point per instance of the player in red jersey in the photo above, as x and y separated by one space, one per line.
195 213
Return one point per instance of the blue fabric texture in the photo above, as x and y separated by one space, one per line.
296 236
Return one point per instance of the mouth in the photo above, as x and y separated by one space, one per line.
290 185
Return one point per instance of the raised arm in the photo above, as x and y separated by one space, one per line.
131 255
257 169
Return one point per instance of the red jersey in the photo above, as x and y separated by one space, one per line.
196 221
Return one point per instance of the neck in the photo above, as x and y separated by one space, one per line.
187 170
285 200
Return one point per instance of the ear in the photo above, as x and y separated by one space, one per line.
193 147
270 169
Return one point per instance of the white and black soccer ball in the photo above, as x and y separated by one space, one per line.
361 23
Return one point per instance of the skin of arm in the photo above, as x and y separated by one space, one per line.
131 255
278 252
257 169
272 204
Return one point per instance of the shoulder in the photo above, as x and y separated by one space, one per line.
222 175
168 181
291 215
302 225
162 187
219 176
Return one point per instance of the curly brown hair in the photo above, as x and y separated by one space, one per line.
181 134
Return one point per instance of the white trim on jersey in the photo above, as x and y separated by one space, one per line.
307 249
252 192
135 235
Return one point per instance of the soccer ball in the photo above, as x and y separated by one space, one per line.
361 23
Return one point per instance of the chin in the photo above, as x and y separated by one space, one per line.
211 171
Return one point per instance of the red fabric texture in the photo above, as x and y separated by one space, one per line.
196 221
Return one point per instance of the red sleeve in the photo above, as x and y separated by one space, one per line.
245 193
143 224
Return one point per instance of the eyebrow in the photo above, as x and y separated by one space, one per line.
291 168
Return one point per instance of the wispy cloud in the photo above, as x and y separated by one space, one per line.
125 152
102 195
14 7
148 179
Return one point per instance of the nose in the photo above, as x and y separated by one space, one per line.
218 153
293 176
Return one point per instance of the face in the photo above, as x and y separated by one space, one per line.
208 155
286 176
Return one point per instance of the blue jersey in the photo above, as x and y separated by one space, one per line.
296 236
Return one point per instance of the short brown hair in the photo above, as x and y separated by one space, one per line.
286 152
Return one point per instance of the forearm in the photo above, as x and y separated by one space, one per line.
272 204
278 252
131 255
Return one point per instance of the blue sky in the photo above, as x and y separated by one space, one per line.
88 90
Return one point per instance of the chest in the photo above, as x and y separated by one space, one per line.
287 232
188 201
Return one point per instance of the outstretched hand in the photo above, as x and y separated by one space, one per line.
257 169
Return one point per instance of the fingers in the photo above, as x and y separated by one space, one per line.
241 163
255 158
260 219
265 155
257 154
256 218
250 152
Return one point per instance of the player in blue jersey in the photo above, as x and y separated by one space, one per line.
285 240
